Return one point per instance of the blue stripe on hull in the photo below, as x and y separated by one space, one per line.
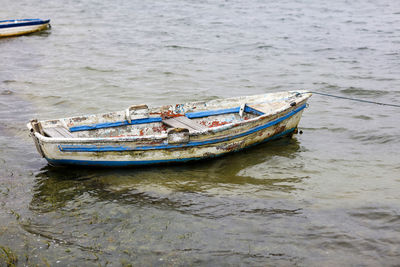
22 23
60 162
94 148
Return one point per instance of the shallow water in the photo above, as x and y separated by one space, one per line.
327 197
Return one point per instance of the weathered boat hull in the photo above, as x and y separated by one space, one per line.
203 153
210 143
10 28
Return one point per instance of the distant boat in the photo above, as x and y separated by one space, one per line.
22 26
141 135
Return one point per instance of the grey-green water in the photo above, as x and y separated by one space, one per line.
327 197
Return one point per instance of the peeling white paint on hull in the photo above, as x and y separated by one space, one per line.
210 132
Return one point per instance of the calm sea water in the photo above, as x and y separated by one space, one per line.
327 197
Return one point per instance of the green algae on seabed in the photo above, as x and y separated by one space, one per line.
7 256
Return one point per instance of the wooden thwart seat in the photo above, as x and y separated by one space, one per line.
183 122
267 107
58 132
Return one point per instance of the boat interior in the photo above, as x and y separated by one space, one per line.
139 120
147 126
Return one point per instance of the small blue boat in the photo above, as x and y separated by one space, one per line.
22 26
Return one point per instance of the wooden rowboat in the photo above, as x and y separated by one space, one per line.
22 26
141 135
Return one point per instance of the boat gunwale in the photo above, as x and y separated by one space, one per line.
196 103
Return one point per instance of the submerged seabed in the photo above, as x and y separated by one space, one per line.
327 197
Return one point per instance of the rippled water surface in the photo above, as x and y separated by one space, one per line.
327 197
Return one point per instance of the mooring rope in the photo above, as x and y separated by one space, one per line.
356 99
